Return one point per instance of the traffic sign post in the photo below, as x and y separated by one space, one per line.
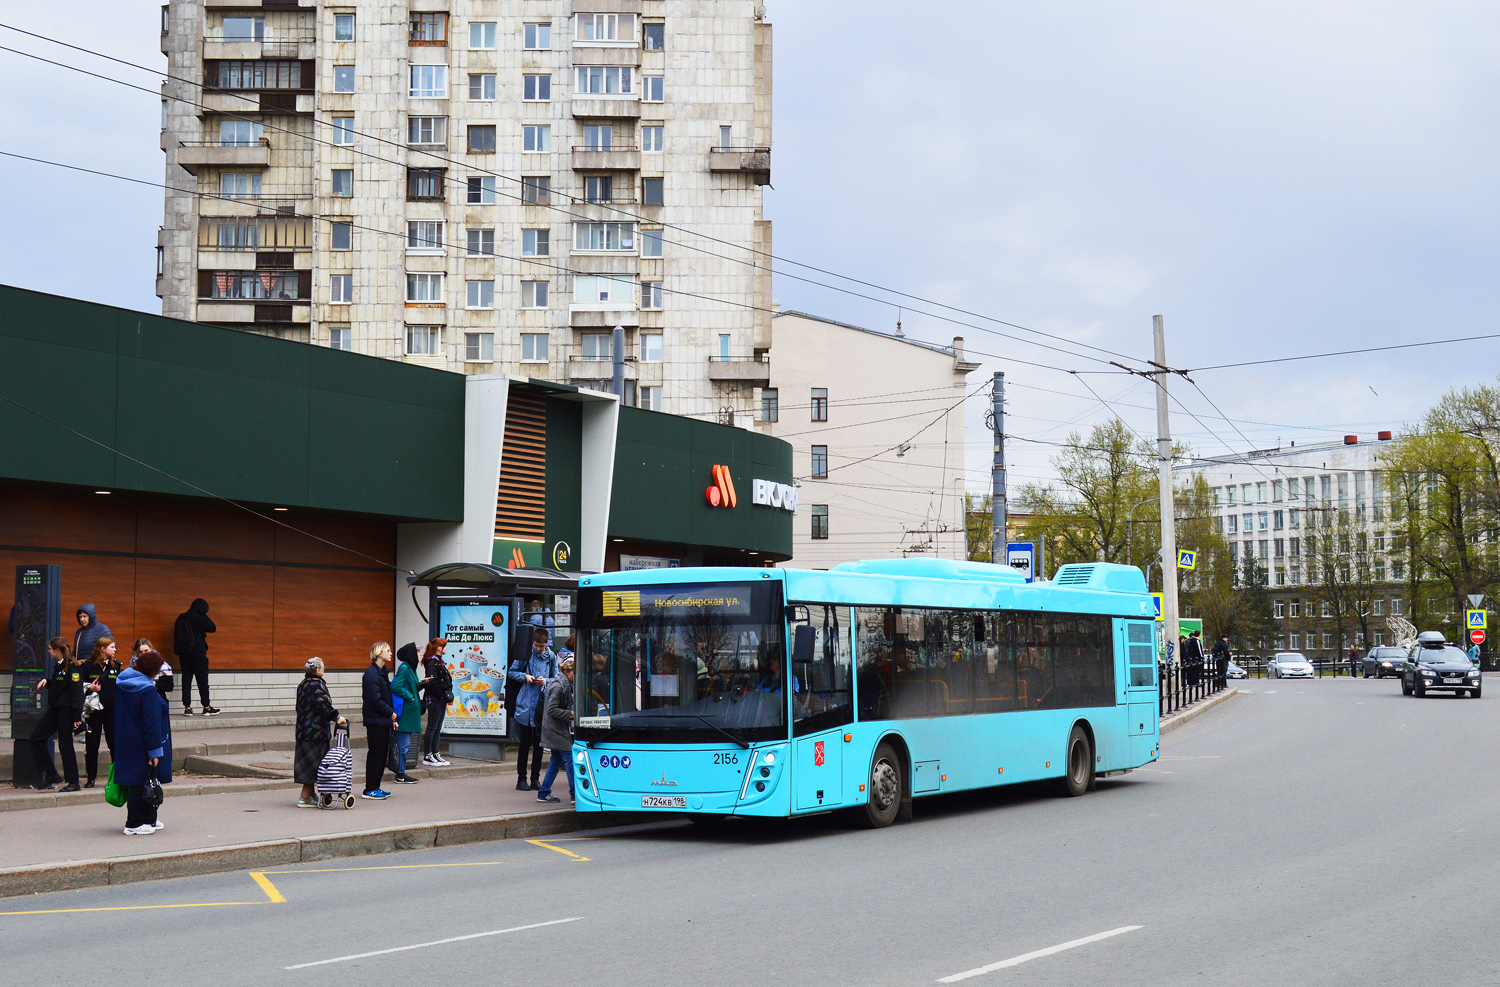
1156 599
1021 556
1476 620
1477 637
1186 559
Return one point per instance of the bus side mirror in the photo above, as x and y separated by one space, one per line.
802 643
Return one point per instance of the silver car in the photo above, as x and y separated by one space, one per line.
1289 665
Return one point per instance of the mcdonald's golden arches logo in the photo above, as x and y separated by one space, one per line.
721 493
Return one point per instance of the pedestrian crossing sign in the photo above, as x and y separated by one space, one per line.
1186 559
1156 599
1476 620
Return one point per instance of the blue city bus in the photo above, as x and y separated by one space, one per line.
713 692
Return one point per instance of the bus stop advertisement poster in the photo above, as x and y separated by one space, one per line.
477 652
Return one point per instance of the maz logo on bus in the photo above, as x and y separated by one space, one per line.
614 761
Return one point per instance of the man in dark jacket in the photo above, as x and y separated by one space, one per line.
89 631
1221 655
190 642
1192 659
379 716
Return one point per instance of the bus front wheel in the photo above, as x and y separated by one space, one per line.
1080 765
886 788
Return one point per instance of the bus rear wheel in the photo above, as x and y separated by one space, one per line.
1080 765
887 785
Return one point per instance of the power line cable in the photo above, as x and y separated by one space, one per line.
1368 349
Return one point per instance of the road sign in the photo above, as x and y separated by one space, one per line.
1156 598
1475 599
1186 559
1021 557
1477 637
1476 620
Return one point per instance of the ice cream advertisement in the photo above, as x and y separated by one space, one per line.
476 655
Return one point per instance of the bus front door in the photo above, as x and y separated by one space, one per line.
818 772
1141 693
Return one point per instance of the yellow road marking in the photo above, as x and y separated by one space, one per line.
566 853
277 898
340 870
133 908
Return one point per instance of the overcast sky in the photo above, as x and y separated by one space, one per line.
1275 178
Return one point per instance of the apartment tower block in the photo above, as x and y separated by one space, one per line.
482 186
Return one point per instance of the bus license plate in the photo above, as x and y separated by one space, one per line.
663 801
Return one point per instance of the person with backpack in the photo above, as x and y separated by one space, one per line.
190 642
409 716
437 694
145 748
64 685
315 711
532 672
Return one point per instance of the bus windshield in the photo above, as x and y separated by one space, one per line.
682 663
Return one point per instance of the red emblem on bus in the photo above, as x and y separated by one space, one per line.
818 753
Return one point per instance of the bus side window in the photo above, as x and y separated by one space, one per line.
874 627
995 677
822 660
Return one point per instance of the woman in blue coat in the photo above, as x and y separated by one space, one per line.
142 742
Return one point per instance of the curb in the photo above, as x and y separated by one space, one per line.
54 800
1178 719
76 874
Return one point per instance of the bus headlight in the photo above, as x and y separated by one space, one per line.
771 757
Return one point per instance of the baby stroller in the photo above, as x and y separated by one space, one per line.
336 772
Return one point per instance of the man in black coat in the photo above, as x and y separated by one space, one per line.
1221 655
379 716
1192 658
190 642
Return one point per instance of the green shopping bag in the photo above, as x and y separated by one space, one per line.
115 795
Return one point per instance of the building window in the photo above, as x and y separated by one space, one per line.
604 80
161 261
653 89
482 139
1278 520
652 191
241 185
342 184
603 236
820 462
1327 640
533 294
598 137
724 346
536 190
769 405
481 190
537 37
536 139
479 294
240 133
429 82
241 29
343 130
424 183
338 338
1280 548
820 404
1279 608
1233 524
427 130
1265 548
267 73
424 288
651 296
651 242
422 340
1264 520
596 346
596 288
605 27
479 347
1397 607
482 86
429 29
1293 640
820 521
726 138
481 35
598 188
654 36
650 398
533 347
343 27
341 236
536 243
651 138
340 289
651 347
480 242
537 88
1295 608
343 78
1249 523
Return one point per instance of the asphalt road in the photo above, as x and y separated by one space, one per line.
1308 833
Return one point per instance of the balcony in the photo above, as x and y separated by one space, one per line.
582 368
616 157
753 161
616 108
192 155
286 43
740 369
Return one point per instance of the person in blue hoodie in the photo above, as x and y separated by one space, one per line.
142 744
89 630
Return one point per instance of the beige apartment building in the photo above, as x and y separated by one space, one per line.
482 186
876 425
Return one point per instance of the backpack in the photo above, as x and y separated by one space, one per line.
182 637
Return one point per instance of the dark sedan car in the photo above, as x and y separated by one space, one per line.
1380 662
1433 665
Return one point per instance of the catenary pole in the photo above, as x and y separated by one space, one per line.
998 510
1164 481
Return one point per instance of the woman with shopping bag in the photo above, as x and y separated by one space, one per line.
143 748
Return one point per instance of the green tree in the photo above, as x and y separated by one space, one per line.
979 526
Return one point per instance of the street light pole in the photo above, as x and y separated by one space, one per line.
1164 483
998 511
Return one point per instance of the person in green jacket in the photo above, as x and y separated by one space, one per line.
409 720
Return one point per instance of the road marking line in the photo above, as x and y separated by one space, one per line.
437 942
340 870
277 898
133 908
1038 954
566 853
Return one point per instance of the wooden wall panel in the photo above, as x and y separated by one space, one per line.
375 539
106 582
215 531
240 600
332 614
78 521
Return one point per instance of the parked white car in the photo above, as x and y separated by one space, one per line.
1289 665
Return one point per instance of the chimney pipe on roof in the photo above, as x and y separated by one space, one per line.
958 348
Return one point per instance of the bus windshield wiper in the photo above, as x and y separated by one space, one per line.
712 725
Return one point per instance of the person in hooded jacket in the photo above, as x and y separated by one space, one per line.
409 720
90 629
100 674
190 642
145 747
64 685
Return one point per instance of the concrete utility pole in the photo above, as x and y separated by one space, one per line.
1164 478
998 510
